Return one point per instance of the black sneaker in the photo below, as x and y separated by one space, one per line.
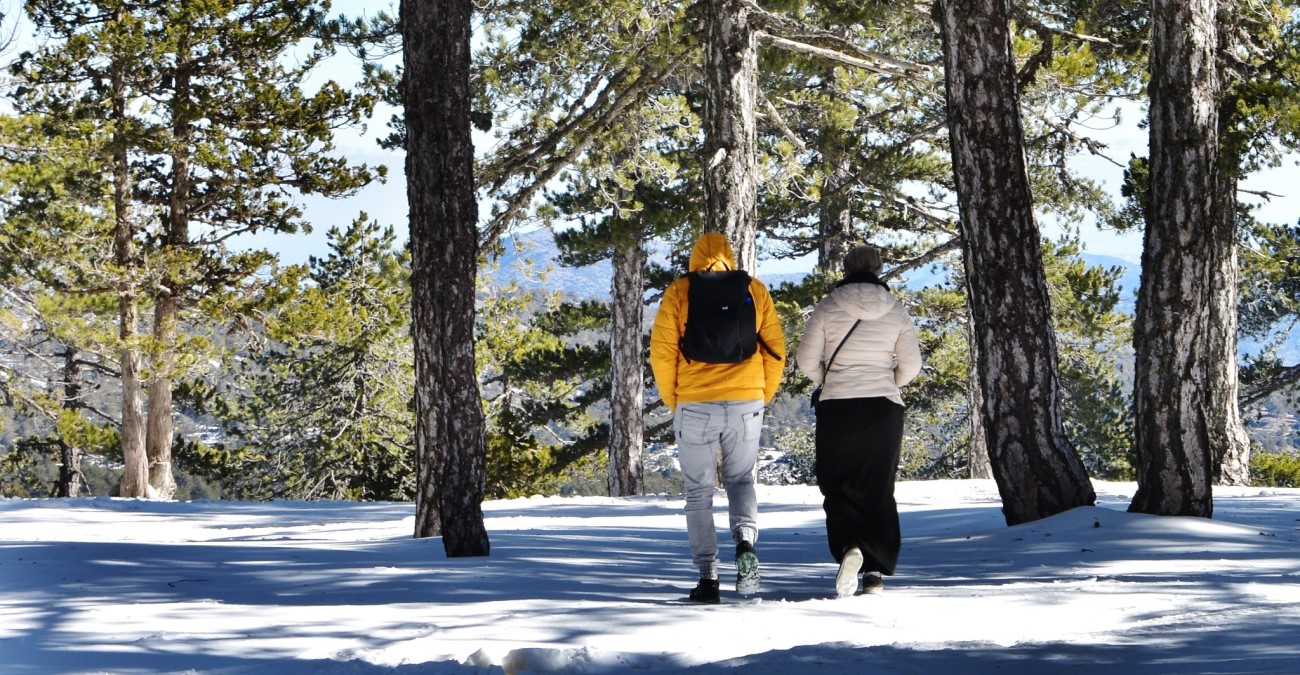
706 591
747 579
872 583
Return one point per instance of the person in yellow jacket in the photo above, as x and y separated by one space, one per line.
717 417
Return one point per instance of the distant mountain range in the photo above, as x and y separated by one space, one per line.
530 260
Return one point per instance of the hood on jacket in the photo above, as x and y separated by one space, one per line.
864 301
712 253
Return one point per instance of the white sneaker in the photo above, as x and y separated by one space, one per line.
846 581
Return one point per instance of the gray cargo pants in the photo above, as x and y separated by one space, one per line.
708 435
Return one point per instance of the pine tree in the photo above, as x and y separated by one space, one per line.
1092 337
623 121
848 121
1258 66
1256 124
1185 390
1036 468
229 131
319 402
76 94
449 440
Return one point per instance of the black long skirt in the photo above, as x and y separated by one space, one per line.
858 444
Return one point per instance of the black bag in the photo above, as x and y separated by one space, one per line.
817 393
721 325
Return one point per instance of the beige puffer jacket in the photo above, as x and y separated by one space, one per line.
881 356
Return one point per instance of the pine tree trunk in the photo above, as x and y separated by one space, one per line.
70 477
835 217
627 371
1036 468
135 470
451 444
1233 465
135 479
1232 459
835 207
160 428
980 467
730 133
1185 408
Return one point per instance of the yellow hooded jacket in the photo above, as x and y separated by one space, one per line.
682 381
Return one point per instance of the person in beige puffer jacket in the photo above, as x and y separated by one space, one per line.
860 416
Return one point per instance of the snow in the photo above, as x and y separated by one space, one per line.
595 585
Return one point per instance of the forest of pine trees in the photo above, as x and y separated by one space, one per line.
140 143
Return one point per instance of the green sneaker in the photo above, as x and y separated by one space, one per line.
747 579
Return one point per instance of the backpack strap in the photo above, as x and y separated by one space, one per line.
768 349
827 370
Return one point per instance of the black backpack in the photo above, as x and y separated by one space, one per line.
721 324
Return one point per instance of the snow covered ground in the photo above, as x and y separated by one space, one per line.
594 585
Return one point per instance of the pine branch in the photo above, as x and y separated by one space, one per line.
1288 376
1095 147
775 116
518 159
786 33
923 259
582 133
828 54
1027 20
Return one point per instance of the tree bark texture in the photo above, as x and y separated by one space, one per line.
1036 468
835 217
135 470
161 429
978 456
1231 463
70 476
835 208
1233 466
451 445
1185 389
627 371
730 132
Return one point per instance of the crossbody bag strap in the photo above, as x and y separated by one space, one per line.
827 371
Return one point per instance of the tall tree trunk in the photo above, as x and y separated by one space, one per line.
1185 408
1232 460
161 428
135 479
1233 467
978 457
730 132
450 439
627 372
835 217
1036 468
70 476
835 207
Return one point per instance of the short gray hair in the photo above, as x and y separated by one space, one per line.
863 257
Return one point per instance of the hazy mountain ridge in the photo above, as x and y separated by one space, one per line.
531 260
